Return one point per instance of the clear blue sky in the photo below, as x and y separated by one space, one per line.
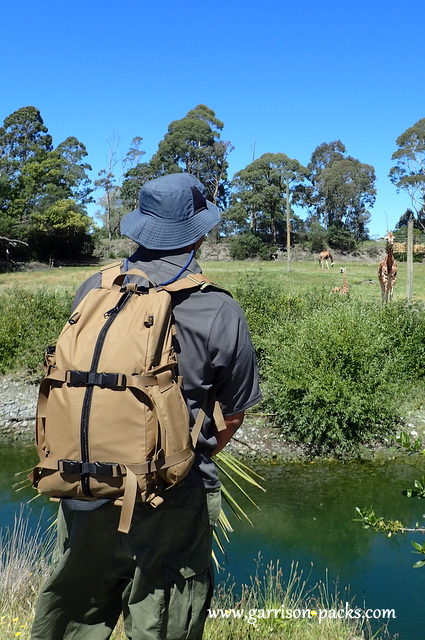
282 76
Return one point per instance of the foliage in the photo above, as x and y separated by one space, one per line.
34 177
408 173
25 562
340 238
342 189
29 322
193 144
262 193
247 245
327 375
318 237
60 231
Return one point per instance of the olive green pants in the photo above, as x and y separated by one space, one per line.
158 575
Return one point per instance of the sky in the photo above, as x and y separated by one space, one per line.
282 76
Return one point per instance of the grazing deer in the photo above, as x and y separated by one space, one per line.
345 289
325 256
387 271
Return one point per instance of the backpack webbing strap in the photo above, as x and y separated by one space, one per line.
218 419
74 466
128 501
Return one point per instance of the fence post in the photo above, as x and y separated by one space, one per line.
288 226
409 260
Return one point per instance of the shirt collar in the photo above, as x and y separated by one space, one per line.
177 259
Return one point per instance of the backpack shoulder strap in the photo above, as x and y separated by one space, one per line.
109 272
192 281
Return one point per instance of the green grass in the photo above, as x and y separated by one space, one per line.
303 277
307 276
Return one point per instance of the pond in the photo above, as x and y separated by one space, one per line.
307 517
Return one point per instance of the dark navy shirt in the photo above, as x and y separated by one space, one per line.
213 347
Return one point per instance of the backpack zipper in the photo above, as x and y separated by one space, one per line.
85 412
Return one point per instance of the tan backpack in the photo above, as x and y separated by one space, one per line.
111 418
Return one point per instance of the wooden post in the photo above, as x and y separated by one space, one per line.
288 226
409 260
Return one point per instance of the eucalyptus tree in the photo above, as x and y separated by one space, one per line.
262 194
192 144
342 189
34 175
408 173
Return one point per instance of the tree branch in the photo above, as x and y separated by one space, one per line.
13 240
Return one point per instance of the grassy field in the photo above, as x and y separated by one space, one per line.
304 276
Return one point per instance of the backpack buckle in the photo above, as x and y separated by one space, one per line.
75 378
111 469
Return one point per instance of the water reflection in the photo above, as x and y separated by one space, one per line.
307 516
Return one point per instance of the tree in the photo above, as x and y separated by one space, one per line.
342 189
107 182
72 151
408 172
134 179
418 223
117 209
260 194
193 144
22 137
60 231
34 176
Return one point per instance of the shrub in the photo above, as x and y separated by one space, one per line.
318 237
266 251
30 321
341 239
334 370
245 246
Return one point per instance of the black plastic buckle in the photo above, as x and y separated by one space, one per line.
76 378
111 469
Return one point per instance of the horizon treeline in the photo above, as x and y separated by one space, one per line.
45 189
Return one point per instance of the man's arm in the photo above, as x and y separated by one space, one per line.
232 425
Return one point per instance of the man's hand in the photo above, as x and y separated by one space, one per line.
232 425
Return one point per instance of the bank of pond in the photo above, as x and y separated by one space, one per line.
307 518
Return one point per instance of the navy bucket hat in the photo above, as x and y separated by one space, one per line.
173 213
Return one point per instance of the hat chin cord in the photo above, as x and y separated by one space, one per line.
182 270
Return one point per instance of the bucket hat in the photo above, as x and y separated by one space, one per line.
173 212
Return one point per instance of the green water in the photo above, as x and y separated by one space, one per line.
307 517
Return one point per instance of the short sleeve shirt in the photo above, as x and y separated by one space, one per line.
213 347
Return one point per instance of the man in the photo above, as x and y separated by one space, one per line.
159 574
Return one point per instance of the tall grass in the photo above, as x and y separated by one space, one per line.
25 561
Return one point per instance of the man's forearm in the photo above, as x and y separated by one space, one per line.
232 425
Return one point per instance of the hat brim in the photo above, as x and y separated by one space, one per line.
173 234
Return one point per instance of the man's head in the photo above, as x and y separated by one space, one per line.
173 213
